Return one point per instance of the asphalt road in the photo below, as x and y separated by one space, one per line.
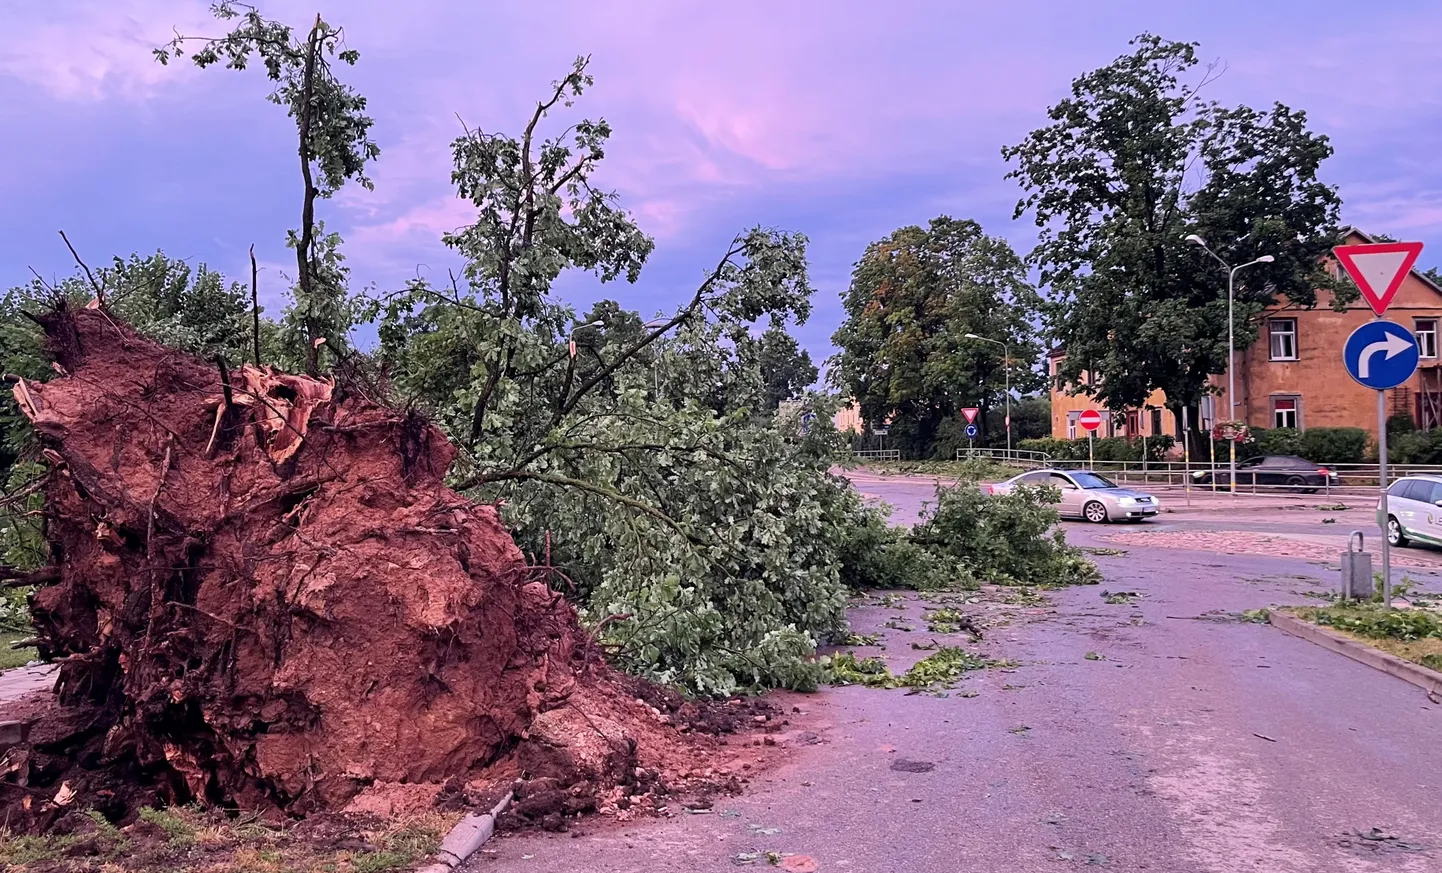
1189 741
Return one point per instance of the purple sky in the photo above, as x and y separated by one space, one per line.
830 117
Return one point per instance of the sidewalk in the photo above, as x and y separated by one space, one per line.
21 681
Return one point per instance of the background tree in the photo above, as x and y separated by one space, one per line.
1132 162
913 298
786 368
334 148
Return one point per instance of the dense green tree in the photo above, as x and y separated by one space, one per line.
334 146
786 368
1130 164
913 298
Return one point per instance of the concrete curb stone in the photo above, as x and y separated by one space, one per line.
1428 680
469 834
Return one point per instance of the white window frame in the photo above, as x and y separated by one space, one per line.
1295 411
1425 329
1071 424
1273 335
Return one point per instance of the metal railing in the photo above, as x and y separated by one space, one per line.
877 454
1015 457
1206 476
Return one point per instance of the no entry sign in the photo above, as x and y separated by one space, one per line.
1091 419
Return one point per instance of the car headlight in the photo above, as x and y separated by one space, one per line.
1199 474
1127 501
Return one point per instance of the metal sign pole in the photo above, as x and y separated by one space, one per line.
1382 486
1186 457
1091 453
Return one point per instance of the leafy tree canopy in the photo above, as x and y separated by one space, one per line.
1130 164
334 147
914 297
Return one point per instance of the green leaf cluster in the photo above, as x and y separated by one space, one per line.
1004 539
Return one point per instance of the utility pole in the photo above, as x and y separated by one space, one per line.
1231 350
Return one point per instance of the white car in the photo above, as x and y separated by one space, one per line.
1085 494
1414 510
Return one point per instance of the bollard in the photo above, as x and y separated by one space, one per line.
1356 570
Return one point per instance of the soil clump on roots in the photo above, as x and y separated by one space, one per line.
265 598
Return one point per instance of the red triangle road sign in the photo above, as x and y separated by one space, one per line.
1378 269
970 413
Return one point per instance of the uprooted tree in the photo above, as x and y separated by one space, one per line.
260 590
261 585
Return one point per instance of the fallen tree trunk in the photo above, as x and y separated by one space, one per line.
267 598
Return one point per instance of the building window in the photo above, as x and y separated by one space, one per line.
1287 412
1071 419
1156 422
1283 333
1132 425
1426 331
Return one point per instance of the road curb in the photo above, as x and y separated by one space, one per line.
1428 680
469 834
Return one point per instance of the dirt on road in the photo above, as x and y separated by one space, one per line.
1142 725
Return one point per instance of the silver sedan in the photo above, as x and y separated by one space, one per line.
1085 494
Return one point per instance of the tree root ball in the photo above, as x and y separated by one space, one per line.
268 599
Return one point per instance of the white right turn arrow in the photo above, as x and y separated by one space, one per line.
1393 345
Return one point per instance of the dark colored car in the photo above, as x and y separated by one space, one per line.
1287 471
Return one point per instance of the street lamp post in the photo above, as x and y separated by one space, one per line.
1006 367
655 374
1231 350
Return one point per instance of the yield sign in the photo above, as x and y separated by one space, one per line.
970 413
1378 269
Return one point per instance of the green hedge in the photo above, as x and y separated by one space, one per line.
1414 447
1322 445
1105 449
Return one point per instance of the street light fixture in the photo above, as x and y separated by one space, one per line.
656 360
1006 367
1231 351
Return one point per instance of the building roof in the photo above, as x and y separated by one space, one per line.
1350 231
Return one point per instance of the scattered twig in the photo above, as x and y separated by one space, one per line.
157 603
21 579
1264 737
255 303
99 292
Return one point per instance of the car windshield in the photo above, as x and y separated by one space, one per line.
1092 480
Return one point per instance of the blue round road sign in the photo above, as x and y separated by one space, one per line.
1381 354
971 431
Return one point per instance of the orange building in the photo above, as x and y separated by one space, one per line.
1293 375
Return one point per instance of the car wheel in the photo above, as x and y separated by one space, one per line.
1296 483
1395 536
1094 512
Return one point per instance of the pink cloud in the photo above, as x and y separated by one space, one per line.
94 49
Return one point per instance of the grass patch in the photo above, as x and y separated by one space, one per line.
974 470
11 658
192 839
1411 634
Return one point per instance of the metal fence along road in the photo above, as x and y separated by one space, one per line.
877 454
1354 479
1351 479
